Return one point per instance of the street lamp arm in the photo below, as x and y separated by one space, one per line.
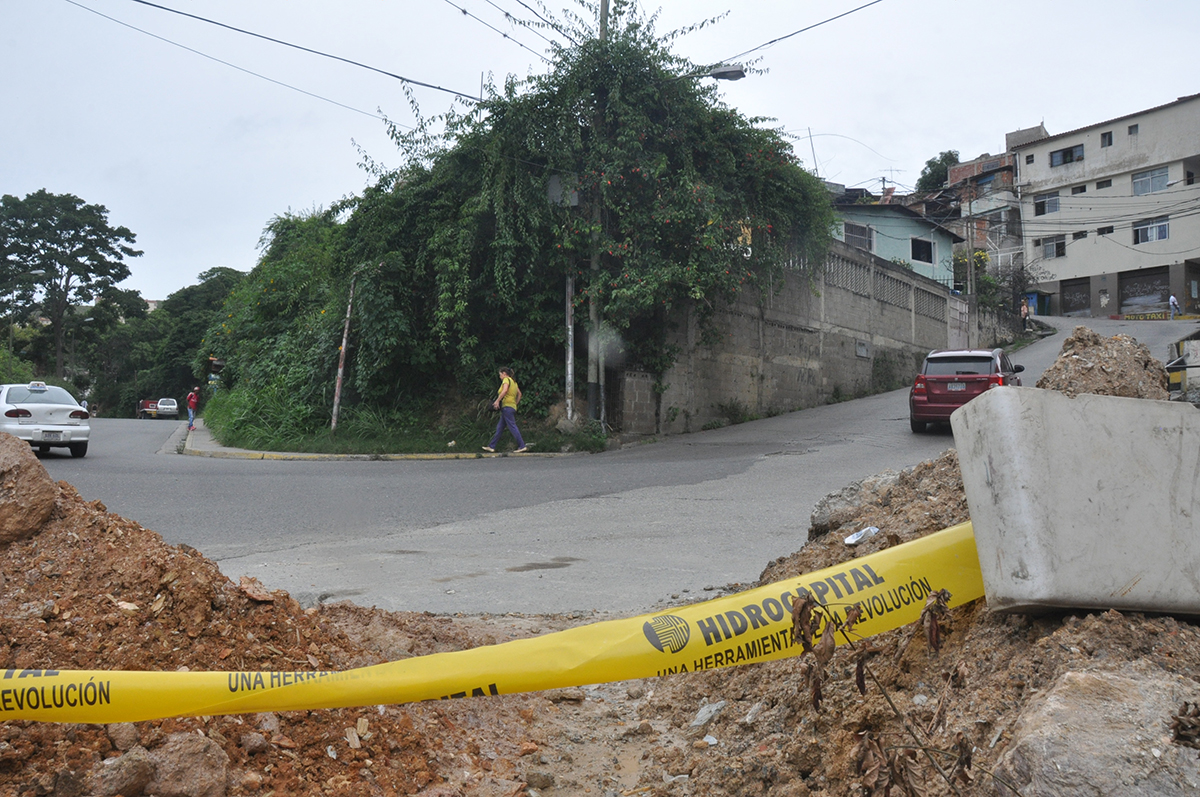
719 72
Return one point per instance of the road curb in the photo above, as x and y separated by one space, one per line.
227 453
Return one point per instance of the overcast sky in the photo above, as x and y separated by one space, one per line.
195 156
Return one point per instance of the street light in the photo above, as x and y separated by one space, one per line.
727 72
719 72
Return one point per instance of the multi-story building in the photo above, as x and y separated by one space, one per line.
1111 213
989 211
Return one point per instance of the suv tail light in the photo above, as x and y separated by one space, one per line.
919 385
18 413
81 415
995 380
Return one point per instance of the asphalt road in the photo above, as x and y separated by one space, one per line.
616 532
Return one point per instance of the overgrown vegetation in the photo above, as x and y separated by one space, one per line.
616 181
459 258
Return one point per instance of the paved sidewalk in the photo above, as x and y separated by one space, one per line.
201 443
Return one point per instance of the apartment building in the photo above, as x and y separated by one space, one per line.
1111 213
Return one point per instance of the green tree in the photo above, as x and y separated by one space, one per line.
936 171
72 244
460 258
682 200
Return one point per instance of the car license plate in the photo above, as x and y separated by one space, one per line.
954 386
55 436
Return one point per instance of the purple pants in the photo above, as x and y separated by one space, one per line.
508 419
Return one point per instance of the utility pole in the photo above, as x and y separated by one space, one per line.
337 389
593 385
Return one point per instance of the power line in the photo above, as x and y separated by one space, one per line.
227 63
310 50
513 19
489 26
802 30
549 23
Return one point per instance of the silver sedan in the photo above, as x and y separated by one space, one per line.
44 416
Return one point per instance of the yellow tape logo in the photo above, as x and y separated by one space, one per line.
667 632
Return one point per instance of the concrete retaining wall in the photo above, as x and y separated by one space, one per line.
862 325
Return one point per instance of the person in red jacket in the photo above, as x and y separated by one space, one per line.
193 399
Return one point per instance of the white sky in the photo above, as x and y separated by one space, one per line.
195 157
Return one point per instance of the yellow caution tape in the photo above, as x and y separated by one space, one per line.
890 586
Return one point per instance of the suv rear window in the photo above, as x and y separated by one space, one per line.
959 366
51 395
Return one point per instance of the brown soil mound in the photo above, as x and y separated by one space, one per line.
93 590
1116 366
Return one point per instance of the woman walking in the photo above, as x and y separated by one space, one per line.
507 399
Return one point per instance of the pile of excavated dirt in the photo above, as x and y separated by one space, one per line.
1116 366
83 588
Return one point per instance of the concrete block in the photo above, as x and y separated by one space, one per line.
1089 502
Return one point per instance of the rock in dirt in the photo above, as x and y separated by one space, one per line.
707 713
1103 733
123 735
127 775
189 765
1116 366
836 509
27 492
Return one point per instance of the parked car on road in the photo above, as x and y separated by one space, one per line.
950 378
168 408
163 408
44 416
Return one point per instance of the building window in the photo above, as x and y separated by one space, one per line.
1103 184
1054 246
1079 236
1029 159
922 251
860 236
1104 231
1045 203
1079 189
1156 229
1133 130
1150 181
1068 155
1106 139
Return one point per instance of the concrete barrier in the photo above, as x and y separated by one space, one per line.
1091 502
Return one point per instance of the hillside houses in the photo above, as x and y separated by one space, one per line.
1102 220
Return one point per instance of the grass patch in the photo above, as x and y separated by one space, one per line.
365 430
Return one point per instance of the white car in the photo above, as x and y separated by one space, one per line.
44 416
168 408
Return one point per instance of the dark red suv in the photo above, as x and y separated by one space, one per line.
951 378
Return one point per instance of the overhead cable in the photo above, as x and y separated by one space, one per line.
310 50
227 63
798 32
489 26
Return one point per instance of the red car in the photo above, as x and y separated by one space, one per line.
951 378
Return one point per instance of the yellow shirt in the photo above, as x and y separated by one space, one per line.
512 396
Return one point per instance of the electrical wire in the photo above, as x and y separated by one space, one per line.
548 23
513 19
309 50
798 32
228 64
489 26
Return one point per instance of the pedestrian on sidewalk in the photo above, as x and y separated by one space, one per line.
1175 307
1024 314
507 399
193 399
